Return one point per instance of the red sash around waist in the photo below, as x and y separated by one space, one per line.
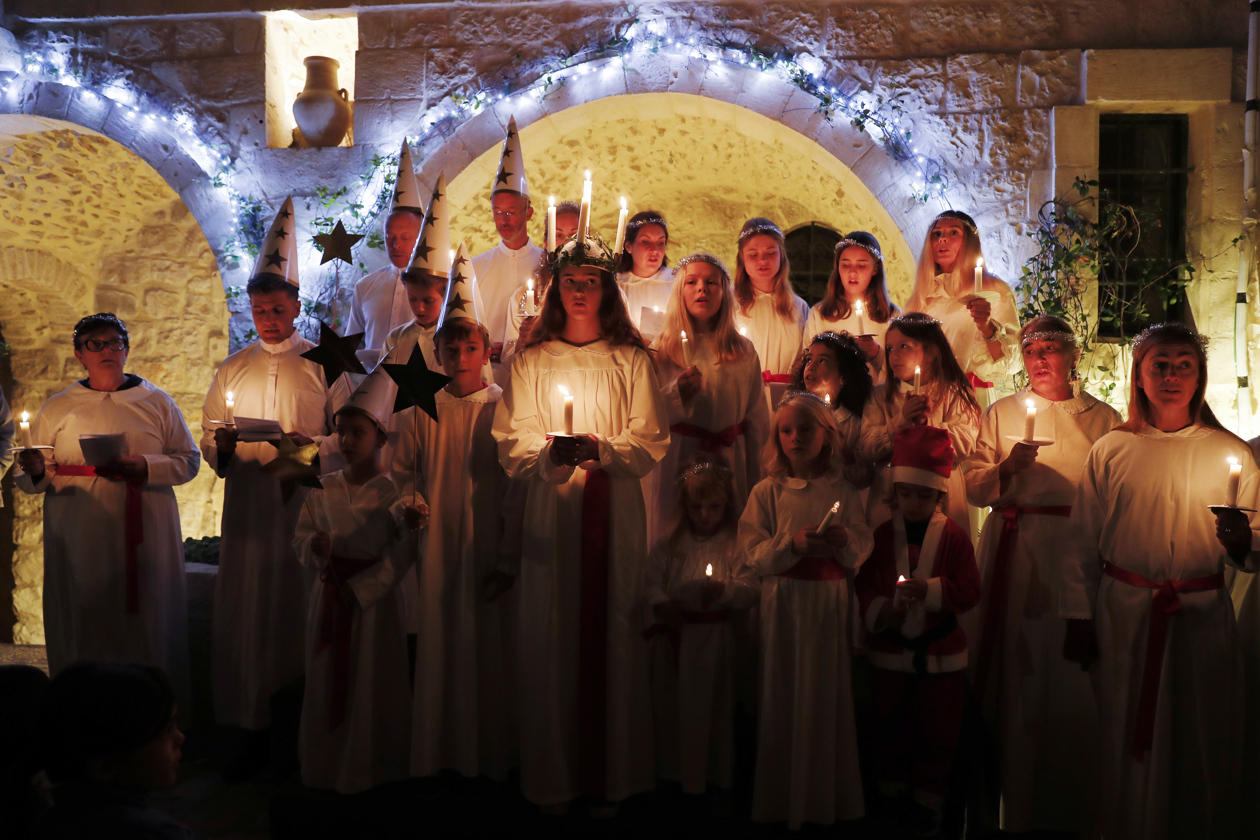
335 626
593 639
816 568
133 528
977 382
999 584
1165 604
775 378
710 441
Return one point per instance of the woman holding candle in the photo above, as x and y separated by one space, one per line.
1017 664
975 308
767 308
643 271
585 707
857 299
1143 589
113 552
807 760
834 367
925 386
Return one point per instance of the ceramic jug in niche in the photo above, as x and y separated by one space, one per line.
322 110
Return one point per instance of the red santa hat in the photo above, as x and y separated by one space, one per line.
922 455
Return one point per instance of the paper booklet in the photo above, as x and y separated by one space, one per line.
255 430
99 450
651 323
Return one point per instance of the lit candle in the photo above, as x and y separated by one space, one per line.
230 405
551 223
584 212
897 593
568 411
857 309
686 349
25 426
1235 475
915 392
822 529
743 331
1030 420
979 275
827 400
621 228
708 570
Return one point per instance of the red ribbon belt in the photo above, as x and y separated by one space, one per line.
1166 603
593 639
995 599
133 528
977 382
816 568
335 626
710 441
779 378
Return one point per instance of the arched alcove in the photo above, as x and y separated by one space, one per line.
87 226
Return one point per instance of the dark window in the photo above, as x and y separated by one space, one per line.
1143 163
811 249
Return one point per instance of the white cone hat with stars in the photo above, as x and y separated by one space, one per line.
432 255
462 296
510 177
278 253
375 398
407 192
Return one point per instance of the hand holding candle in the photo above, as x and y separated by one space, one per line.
25 427
529 296
1235 476
861 322
898 596
979 275
568 411
551 223
822 529
915 391
686 349
1030 420
229 408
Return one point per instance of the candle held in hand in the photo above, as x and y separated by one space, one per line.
827 400
551 223
25 427
979 275
686 349
230 410
915 392
857 310
568 411
621 229
529 298
1030 420
822 529
708 570
1235 476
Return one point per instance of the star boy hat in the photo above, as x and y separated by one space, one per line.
462 298
922 455
510 177
432 255
372 399
407 192
278 254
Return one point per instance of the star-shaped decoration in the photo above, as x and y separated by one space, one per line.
511 134
399 192
280 232
337 245
335 354
285 214
507 152
294 465
423 249
275 259
502 177
457 302
437 196
417 385
460 260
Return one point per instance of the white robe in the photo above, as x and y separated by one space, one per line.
730 393
969 346
379 306
1047 779
370 745
777 339
816 323
500 271
807 758
1142 504
9 439
260 595
616 399
464 692
693 688
85 614
646 292
879 431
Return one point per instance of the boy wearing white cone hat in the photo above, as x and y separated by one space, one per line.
260 592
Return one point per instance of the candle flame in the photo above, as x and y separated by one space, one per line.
529 283
857 307
229 399
1233 462
708 570
827 399
588 174
26 418
564 390
743 331
623 202
551 201
656 309
684 335
1030 403
901 578
835 508
916 370
979 262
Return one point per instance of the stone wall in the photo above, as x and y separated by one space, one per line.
85 226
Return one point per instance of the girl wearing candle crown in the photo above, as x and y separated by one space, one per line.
1017 664
1143 587
714 394
804 535
834 368
857 299
643 271
925 386
975 308
767 310
585 713
695 597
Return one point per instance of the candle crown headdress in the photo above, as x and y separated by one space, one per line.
278 254
594 251
432 255
407 193
462 298
510 176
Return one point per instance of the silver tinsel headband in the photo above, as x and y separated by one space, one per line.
1066 338
952 216
771 228
853 243
704 258
1177 333
721 472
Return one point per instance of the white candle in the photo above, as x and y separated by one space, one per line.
551 223
621 229
897 592
25 426
686 349
1030 420
584 212
568 411
979 275
1235 475
857 309
827 400
915 392
529 298
230 407
708 570
822 529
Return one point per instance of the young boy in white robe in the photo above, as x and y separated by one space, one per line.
351 533
471 555
921 575
693 592
804 535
